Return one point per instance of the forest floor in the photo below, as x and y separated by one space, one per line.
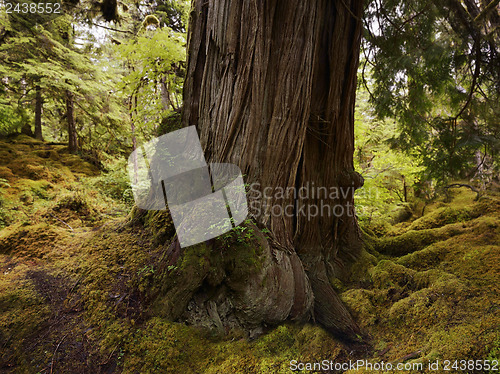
73 280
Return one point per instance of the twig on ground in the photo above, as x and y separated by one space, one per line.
410 356
54 354
60 220
76 284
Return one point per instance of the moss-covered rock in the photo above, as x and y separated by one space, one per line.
444 216
28 240
414 240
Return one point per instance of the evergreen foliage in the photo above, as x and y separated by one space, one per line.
435 68
389 175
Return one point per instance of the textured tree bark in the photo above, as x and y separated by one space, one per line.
72 139
271 87
38 113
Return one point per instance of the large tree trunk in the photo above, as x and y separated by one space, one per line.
271 88
70 116
38 113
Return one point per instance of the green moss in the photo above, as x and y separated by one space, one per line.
25 139
23 310
440 298
160 224
358 273
377 228
359 302
31 241
276 342
415 240
36 188
6 173
388 274
73 201
163 347
494 352
444 216
434 288
425 258
78 166
457 342
430 306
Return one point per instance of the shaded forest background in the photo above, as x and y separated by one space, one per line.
80 91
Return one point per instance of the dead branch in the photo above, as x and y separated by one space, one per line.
54 354
60 220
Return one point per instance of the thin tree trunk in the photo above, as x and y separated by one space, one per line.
72 138
271 87
132 110
26 128
166 101
38 113
405 190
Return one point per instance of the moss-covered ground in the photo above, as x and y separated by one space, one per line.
76 283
